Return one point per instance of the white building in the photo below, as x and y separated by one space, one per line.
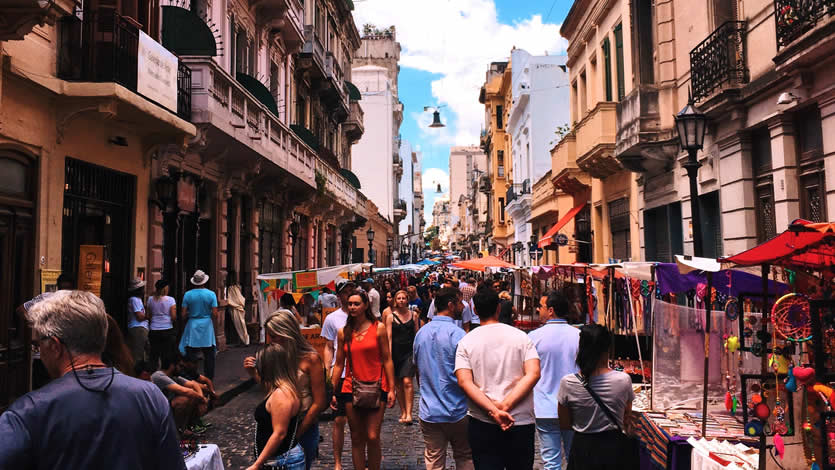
540 90
441 218
374 150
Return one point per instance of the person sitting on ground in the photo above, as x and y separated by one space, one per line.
185 396
90 415
188 367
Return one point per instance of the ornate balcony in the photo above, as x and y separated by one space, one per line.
718 62
794 18
312 55
805 31
595 136
102 46
224 106
643 145
399 209
19 17
354 126
566 176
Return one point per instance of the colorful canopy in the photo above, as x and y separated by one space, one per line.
804 244
480 264
549 236
427 262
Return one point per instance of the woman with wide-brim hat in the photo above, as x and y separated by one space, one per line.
137 320
199 308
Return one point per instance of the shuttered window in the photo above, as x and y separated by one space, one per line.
619 61
607 70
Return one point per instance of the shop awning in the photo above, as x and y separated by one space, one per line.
549 237
185 33
480 264
351 177
353 92
804 244
259 91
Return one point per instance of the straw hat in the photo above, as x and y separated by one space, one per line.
199 278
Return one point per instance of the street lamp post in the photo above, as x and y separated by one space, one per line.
389 245
690 124
294 233
370 235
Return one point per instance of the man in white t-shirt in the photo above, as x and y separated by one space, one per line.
373 296
334 322
497 366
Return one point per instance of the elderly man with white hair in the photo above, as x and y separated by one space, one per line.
90 415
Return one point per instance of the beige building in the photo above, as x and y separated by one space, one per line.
495 142
467 203
118 167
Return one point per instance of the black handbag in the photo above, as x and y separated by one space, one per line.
629 446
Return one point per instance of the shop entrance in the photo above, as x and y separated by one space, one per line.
17 205
98 211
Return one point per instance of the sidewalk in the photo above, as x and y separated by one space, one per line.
230 377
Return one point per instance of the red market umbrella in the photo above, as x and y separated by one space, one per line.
804 244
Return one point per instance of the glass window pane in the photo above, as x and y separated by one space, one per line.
12 176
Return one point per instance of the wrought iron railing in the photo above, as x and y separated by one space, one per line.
184 91
103 46
517 190
719 60
795 17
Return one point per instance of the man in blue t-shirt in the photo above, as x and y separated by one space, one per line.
81 418
443 405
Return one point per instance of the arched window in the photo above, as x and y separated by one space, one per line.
15 175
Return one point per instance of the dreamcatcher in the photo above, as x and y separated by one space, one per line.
792 318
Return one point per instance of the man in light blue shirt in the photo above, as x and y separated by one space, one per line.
443 405
556 343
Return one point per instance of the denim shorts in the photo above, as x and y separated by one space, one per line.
293 459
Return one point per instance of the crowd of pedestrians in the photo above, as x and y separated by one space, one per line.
487 389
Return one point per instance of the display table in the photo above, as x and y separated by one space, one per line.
717 455
207 458
664 436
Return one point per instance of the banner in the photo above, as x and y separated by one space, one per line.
305 280
156 73
90 268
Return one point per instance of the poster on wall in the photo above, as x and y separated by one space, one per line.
49 280
90 268
156 77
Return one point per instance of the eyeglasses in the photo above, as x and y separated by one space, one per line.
36 343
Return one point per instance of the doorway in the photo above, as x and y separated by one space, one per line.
17 190
98 210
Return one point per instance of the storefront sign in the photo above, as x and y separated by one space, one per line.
156 77
90 268
49 280
306 280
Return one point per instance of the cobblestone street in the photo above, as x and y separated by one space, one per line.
234 431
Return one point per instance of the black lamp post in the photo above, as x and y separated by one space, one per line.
389 245
370 235
294 234
690 124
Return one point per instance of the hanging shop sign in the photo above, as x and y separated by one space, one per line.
49 280
562 239
156 74
90 268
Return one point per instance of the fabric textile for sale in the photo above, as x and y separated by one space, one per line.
671 281
717 455
207 458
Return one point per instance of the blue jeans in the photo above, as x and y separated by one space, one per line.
551 442
293 459
310 444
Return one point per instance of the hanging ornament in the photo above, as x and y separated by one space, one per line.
753 428
779 445
762 411
732 344
791 380
729 401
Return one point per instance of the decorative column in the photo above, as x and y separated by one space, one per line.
784 171
736 193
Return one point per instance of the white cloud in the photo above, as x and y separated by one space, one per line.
431 178
457 40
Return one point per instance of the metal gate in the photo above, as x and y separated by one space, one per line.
98 210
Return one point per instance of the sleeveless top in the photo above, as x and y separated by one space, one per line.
264 429
305 392
365 356
402 334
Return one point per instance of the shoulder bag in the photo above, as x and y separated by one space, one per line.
629 446
365 394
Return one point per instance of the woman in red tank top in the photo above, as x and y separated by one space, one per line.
370 360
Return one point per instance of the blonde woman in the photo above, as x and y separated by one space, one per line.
277 417
283 328
401 326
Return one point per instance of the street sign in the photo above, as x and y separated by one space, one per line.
562 239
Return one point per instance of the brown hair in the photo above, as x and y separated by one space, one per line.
348 331
116 352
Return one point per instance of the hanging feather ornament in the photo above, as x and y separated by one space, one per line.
779 446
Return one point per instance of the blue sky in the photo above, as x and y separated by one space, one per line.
447 46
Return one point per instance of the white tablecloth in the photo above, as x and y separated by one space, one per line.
207 458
